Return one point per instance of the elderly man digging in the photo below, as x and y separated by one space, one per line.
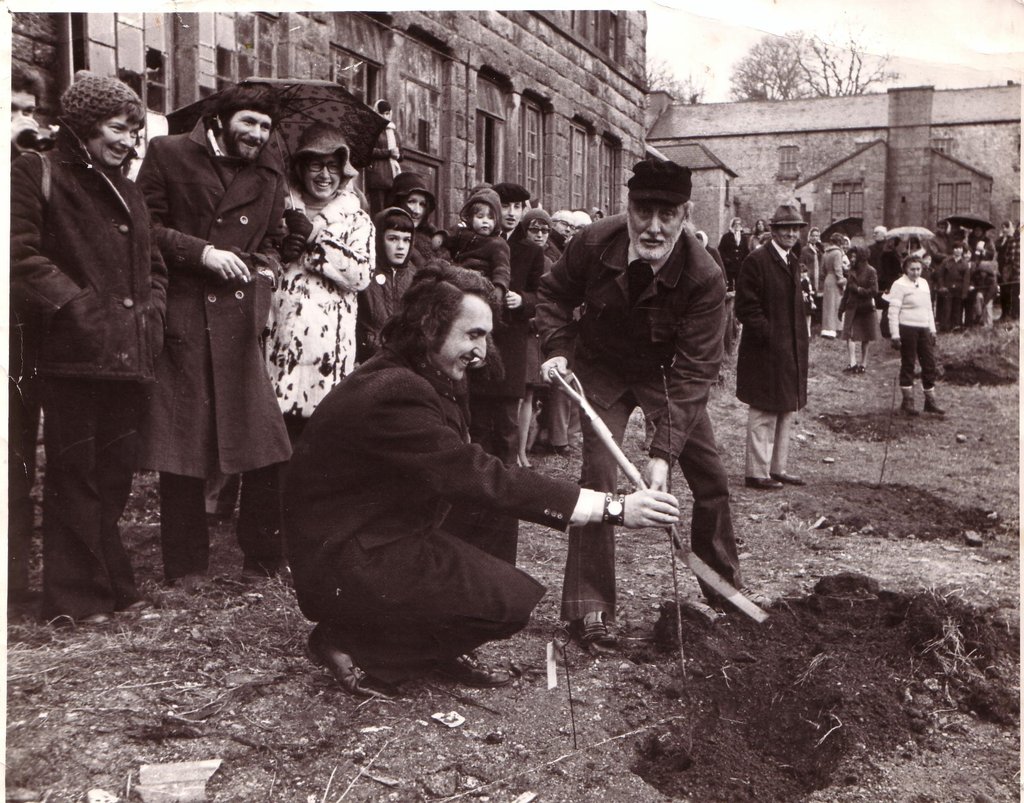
650 336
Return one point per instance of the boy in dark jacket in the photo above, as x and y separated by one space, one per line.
478 245
391 278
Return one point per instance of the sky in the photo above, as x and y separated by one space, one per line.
945 43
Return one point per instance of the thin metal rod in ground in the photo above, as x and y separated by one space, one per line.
888 428
672 544
568 689
476 790
679 611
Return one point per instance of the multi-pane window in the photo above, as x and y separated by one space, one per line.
610 167
599 28
942 144
954 198
132 47
356 74
577 166
787 161
531 147
418 110
847 199
233 47
490 130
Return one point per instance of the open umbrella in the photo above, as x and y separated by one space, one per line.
967 221
850 226
906 232
302 103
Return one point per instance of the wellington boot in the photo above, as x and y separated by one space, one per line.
930 405
907 408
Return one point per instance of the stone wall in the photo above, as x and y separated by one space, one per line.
34 43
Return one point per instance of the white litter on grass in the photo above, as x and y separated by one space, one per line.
177 782
450 720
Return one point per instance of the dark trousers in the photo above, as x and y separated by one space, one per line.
916 345
590 568
91 439
185 539
23 434
1009 300
494 425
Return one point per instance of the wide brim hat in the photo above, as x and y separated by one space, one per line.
324 139
787 215
408 182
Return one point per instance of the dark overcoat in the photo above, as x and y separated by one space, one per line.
213 407
771 369
376 471
87 276
512 332
733 254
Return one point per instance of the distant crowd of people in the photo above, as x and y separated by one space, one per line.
370 380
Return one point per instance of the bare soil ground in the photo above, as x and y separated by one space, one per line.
887 671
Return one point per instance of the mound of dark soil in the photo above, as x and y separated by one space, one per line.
896 511
983 369
775 711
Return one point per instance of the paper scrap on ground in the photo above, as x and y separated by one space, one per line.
178 782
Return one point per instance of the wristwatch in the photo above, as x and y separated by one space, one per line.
614 510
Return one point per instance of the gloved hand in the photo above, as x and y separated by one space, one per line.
292 247
298 223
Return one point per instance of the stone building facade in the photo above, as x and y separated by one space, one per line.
550 99
910 156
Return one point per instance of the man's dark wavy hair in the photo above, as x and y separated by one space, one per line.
430 307
256 96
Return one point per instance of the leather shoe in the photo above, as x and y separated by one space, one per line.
788 479
592 634
762 483
471 671
340 664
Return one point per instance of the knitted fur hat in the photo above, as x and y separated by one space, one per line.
93 98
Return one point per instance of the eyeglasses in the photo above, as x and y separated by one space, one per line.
332 167
539 229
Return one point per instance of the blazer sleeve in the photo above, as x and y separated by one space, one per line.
561 290
501 266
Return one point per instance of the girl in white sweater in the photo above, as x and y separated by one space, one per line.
912 324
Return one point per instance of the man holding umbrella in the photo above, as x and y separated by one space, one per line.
216 197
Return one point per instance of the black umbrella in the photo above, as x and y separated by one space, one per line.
850 226
302 103
967 221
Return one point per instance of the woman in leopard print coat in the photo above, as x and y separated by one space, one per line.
329 256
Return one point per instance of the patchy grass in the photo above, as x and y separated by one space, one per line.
222 674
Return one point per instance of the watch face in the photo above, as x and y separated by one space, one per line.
615 508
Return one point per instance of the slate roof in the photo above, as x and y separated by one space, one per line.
949 106
695 156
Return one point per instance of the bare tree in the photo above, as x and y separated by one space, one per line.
770 71
661 76
799 65
832 70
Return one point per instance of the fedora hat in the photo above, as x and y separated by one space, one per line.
787 215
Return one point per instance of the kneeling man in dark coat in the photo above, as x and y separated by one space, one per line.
376 471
